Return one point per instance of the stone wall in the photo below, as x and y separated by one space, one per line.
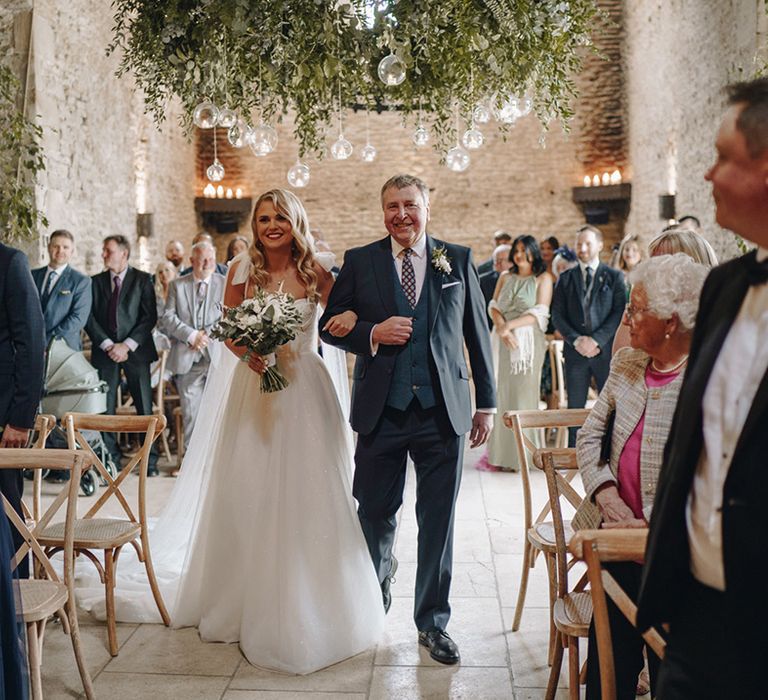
679 55
105 159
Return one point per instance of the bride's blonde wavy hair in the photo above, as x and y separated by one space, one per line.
289 205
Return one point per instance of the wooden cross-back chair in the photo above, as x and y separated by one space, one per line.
595 547
45 594
538 534
110 534
572 609
44 424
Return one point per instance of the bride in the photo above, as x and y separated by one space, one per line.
260 542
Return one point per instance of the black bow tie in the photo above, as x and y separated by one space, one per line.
757 272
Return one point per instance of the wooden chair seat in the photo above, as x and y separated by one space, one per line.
542 535
94 532
40 598
573 613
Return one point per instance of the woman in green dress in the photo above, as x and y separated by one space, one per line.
520 311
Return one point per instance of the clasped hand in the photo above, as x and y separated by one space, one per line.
200 342
616 513
509 338
118 352
586 346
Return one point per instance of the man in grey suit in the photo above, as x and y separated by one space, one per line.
192 309
65 293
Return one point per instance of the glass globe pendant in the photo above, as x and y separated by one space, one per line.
227 118
206 115
298 175
457 159
391 70
368 153
237 135
421 136
472 138
262 139
341 149
215 171
481 114
508 111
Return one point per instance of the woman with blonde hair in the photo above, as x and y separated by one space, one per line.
630 253
165 273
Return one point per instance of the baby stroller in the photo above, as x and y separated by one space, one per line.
73 384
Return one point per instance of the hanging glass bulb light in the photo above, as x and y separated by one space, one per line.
227 118
215 171
298 175
457 159
421 136
391 70
481 114
506 110
472 138
237 135
368 153
341 149
525 105
262 139
206 115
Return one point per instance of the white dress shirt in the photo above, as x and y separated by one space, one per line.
736 376
130 342
593 265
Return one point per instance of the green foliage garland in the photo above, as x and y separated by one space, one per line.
21 159
266 57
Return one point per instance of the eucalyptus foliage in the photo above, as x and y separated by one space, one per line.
266 57
21 159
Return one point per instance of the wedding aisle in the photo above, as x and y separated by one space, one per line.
156 662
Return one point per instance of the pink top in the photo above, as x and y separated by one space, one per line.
629 462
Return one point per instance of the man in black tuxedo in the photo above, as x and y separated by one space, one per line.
22 361
488 280
707 555
65 293
120 327
417 301
587 307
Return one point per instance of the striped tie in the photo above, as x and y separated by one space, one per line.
408 280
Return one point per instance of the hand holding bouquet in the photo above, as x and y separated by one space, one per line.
262 324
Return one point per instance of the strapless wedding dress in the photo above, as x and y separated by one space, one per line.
260 542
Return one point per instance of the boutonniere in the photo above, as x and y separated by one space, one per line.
440 260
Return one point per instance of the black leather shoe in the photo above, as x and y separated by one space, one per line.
441 647
389 579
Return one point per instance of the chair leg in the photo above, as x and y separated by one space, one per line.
574 690
74 627
153 585
62 615
166 448
527 564
552 576
109 586
33 652
554 671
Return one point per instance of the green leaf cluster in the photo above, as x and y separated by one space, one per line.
264 58
21 159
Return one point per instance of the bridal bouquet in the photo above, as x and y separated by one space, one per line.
261 325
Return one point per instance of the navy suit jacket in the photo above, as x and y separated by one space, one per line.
136 316
22 341
666 575
68 307
366 285
609 297
488 287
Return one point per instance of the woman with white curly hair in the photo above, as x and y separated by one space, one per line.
632 417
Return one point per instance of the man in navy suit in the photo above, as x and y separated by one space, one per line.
488 280
417 301
123 314
706 561
65 293
587 307
22 360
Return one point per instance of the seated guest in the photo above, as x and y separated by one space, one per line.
165 273
548 246
65 293
174 254
630 254
501 263
192 309
690 222
499 238
639 399
204 237
564 259
237 245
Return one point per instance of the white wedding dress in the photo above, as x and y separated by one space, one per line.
260 542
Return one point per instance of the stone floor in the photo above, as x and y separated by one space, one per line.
156 662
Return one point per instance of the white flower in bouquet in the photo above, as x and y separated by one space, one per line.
262 324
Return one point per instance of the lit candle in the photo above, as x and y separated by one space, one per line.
209 191
220 191
238 193
615 177
596 180
606 179
229 193
587 181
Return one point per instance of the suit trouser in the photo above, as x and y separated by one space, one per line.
579 371
12 487
710 655
380 468
190 386
137 376
625 639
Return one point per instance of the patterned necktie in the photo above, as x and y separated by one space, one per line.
114 300
202 287
408 278
52 277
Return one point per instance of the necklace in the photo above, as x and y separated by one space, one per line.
669 371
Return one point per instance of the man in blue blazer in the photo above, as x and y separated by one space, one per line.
22 360
65 293
417 301
587 307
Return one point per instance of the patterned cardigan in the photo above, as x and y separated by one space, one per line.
625 392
